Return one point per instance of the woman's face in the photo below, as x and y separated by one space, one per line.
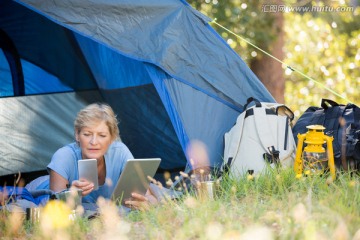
94 140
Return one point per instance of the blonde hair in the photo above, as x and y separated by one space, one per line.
95 113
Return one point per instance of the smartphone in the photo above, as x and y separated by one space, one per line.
88 170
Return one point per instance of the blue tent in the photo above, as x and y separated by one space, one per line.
168 75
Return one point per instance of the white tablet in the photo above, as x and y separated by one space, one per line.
88 170
134 178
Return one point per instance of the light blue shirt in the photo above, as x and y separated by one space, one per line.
65 162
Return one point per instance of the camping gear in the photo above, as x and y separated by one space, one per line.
341 122
261 136
33 214
34 198
167 74
72 197
207 190
314 158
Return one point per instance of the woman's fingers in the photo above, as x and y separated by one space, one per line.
84 185
141 202
138 202
139 197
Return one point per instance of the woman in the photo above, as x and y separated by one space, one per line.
97 137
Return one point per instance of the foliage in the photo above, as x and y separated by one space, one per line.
326 51
272 205
244 18
321 44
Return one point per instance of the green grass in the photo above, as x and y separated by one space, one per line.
272 205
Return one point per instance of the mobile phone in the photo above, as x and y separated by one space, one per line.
88 170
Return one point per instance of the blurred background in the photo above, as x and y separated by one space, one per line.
318 39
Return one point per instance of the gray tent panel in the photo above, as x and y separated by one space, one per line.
32 128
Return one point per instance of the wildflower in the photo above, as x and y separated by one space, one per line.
257 232
307 172
233 234
55 215
15 220
298 176
352 183
329 180
341 231
299 213
217 182
214 230
278 177
185 175
250 177
114 227
169 182
233 189
167 175
190 202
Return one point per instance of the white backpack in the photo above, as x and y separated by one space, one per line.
262 135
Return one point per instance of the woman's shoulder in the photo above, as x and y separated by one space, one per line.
119 148
118 144
69 149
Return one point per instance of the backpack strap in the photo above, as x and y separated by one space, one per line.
325 103
265 135
356 112
250 100
234 144
332 126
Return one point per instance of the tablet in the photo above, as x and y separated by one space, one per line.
88 170
134 178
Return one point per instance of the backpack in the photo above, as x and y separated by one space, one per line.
261 136
341 122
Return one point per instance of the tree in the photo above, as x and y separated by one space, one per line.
323 45
321 42
268 69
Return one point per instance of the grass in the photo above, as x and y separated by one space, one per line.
276 204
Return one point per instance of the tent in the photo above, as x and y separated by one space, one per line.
168 75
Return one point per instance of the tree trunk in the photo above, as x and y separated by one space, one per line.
267 69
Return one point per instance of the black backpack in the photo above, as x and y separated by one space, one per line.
340 121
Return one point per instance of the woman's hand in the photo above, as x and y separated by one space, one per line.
85 186
141 202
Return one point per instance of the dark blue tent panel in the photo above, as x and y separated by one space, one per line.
168 75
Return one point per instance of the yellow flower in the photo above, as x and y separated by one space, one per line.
56 215
298 176
307 172
329 180
250 177
278 177
233 189
352 184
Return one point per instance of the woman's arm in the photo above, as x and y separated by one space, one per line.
59 183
